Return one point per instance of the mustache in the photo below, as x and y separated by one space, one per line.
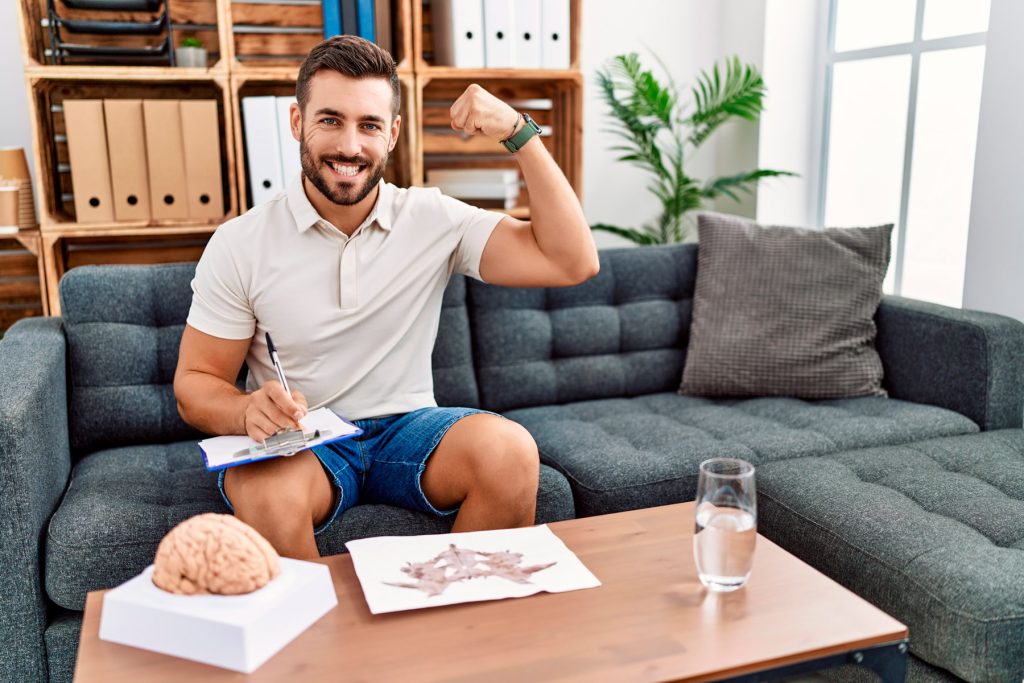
345 160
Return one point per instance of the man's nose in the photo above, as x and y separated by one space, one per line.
347 142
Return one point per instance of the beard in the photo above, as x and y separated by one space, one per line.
339 191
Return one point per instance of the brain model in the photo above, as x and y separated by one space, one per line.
214 553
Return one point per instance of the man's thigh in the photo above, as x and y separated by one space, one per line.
298 481
413 446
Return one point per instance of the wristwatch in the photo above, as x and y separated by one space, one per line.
516 142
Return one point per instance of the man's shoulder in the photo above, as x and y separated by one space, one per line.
257 221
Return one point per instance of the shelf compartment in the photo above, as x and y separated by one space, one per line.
188 19
52 161
554 103
280 33
423 37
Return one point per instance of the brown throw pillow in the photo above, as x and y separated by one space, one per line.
785 311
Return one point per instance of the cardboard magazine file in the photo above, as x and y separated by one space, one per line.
201 142
87 153
127 149
167 190
237 632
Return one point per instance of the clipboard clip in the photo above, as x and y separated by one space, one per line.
287 442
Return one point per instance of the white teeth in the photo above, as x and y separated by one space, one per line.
345 170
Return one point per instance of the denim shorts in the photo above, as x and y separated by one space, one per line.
384 463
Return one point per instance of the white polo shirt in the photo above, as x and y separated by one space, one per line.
354 319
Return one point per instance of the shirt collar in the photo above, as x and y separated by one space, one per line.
306 216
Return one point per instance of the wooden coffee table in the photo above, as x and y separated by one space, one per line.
650 621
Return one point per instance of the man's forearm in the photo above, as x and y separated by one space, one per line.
210 404
559 226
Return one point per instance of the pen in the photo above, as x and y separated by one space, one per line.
277 364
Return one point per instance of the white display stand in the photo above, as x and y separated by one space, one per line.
237 632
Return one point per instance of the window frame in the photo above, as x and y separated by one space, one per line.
915 49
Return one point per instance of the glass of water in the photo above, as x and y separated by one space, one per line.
726 523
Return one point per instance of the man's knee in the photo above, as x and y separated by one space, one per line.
510 462
285 485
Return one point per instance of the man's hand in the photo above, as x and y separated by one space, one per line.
478 112
270 409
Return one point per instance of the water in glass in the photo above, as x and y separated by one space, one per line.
726 523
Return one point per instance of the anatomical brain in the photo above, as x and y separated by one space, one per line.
214 553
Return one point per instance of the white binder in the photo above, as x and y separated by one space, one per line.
528 34
555 26
290 163
458 33
500 29
262 149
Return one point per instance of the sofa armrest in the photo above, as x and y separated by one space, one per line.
35 463
966 361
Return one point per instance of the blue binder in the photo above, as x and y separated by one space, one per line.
332 18
367 25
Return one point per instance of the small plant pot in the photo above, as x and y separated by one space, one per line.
190 56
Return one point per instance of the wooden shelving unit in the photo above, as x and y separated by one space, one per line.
256 49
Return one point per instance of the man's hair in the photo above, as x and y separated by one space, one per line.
350 56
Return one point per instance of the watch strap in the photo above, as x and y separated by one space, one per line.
516 142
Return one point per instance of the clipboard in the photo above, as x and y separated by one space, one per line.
319 427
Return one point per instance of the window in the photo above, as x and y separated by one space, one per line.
902 95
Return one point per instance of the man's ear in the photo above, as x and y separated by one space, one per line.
396 127
295 118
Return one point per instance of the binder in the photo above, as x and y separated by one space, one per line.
555 26
528 38
332 18
499 28
458 33
201 142
262 147
349 17
367 28
291 166
126 148
168 192
87 152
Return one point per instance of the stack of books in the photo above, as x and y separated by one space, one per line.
491 188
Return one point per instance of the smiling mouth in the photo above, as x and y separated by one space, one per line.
345 170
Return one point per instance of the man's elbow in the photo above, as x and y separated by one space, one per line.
585 271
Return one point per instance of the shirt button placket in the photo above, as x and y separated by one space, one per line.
348 277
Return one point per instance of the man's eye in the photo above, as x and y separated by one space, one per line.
373 126
329 121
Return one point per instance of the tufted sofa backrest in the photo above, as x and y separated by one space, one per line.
622 333
124 325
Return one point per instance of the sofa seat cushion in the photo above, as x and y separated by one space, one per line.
931 532
121 502
623 454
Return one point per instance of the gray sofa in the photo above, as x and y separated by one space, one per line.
914 501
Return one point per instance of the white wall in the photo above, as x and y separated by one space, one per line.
791 125
14 124
688 36
994 277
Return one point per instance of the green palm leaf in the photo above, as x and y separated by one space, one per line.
743 182
740 93
631 234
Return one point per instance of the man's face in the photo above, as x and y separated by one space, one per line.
345 134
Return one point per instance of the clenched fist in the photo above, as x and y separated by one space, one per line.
478 112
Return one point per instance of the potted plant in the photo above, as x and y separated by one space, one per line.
660 134
190 53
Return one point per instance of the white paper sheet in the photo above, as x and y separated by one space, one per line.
219 451
447 569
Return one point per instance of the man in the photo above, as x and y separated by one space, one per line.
347 273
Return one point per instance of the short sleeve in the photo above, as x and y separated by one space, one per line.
220 306
474 227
